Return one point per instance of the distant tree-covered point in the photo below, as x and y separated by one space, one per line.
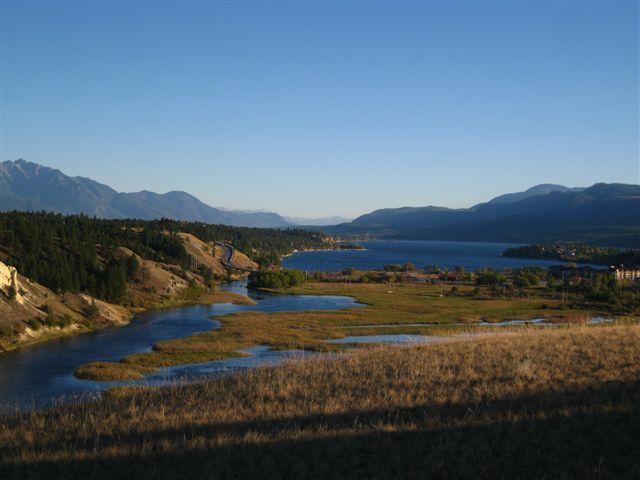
578 253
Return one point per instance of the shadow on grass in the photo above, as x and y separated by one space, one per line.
591 433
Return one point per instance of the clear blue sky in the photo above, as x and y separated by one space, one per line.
329 107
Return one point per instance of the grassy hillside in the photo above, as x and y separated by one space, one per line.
536 404
35 314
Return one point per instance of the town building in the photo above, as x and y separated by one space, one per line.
622 274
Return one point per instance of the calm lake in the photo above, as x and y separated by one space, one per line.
470 255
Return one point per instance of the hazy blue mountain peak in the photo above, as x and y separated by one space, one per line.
31 186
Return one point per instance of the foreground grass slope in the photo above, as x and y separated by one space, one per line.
536 404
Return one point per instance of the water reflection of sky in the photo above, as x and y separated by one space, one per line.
39 374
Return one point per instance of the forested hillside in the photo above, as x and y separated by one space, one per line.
79 254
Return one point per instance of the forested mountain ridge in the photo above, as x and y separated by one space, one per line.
607 214
28 186
604 214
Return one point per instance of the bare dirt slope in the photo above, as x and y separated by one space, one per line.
239 259
211 255
154 280
203 253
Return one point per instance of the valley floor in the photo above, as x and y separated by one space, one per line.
549 403
399 309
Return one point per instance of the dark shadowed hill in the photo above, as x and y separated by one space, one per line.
30 186
541 189
603 213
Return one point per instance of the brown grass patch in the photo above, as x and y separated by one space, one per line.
110 372
541 404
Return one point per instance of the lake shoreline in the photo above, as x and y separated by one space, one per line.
287 255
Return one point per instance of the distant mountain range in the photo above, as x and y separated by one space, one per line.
541 189
300 221
30 186
607 214
318 222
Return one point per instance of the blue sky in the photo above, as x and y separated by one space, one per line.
328 107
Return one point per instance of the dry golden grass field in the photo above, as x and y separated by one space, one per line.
545 403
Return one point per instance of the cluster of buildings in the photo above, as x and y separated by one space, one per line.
623 274
574 274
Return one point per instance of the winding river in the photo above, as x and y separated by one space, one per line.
42 374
